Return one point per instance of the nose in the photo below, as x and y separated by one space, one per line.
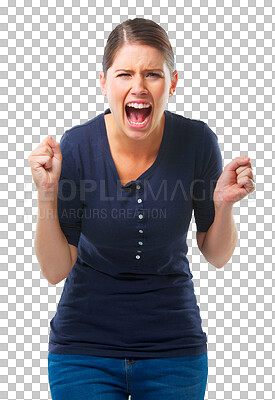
138 86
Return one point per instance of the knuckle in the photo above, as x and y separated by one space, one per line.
47 149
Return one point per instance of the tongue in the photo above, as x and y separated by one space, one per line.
138 114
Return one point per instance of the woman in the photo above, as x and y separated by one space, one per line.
115 203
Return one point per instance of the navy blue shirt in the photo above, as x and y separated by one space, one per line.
130 292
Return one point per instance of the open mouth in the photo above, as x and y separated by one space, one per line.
138 117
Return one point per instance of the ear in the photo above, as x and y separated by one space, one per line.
174 80
102 82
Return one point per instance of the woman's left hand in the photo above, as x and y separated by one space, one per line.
235 182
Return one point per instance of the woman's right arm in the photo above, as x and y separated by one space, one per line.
55 255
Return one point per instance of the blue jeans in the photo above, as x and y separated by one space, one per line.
77 377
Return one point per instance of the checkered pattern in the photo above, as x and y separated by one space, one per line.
51 54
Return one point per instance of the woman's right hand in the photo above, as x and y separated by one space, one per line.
45 161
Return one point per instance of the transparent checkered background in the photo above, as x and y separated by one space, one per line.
51 54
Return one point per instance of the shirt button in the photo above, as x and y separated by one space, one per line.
139 200
137 257
140 231
138 187
140 216
140 243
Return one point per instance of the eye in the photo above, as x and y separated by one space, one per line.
150 73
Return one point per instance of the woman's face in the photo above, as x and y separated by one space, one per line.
139 73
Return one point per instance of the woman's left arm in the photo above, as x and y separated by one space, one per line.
235 182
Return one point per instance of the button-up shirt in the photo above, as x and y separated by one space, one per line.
130 292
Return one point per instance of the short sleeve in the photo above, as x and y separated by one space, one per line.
68 202
208 170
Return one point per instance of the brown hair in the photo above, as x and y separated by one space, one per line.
138 31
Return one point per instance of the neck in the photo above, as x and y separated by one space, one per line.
142 149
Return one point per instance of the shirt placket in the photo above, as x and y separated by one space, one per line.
140 222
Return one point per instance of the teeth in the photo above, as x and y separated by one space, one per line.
139 123
138 105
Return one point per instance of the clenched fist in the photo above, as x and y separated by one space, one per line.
45 161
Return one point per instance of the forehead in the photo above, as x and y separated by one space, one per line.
134 55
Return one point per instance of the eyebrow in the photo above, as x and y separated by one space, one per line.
146 70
